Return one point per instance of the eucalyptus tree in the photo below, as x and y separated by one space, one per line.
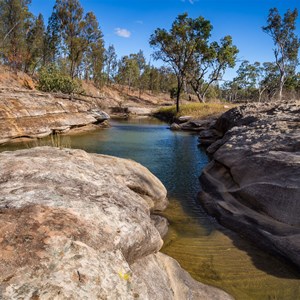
178 46
249 78
292 85
154 80
94 49
79 37
128 71
15 20
110 62
167 79
282 31
35 44
141 62
69 16
209 65
52 40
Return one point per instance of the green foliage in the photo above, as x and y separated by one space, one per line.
110 63
51 79
79 38
177 46
187 50
282 31
15 21
173 92
94 52
35 44
211 61
129 71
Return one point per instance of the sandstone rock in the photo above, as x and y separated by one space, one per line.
78 226
253 183
34 114
175 126
184 119
149 280
140 111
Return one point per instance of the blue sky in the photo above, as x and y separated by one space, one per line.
128 24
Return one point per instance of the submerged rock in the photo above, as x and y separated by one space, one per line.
33 114
82 226
252 184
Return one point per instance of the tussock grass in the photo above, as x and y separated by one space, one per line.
54 140
196 110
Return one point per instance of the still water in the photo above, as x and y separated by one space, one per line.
211 253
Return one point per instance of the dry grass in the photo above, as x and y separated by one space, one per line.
196 110
8 79
54 140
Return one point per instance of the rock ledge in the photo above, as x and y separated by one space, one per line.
32 114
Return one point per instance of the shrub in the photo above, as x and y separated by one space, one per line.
51 79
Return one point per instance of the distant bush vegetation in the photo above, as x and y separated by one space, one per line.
51 79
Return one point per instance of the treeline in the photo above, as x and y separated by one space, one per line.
70 46
201 64
270 80
261 82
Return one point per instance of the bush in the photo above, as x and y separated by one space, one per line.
51 79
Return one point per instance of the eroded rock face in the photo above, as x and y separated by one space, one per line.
25 113
81 226
253 182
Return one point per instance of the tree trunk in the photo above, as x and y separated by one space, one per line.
260 93
177 101
200 97
179 85
196 88
281 84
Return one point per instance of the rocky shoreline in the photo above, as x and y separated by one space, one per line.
252 184
31 114
85 226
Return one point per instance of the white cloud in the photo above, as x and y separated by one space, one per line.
190 1
122 32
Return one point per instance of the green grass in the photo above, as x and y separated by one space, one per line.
196 110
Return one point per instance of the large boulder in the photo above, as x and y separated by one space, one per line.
252 184
82 226
32 114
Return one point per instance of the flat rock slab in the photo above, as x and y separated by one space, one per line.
81 226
